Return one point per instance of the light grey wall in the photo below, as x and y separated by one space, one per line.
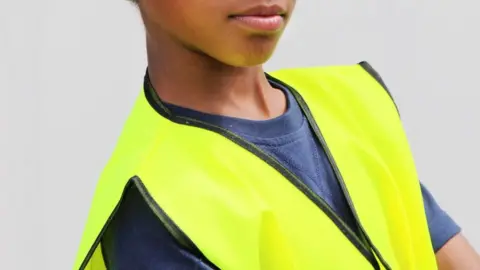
69 71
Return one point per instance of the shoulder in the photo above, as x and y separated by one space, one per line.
358 80
378 78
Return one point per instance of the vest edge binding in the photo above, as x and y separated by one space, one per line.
370 70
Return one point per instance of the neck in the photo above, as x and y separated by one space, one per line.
189 79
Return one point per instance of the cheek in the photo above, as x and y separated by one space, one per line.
181 17
183 10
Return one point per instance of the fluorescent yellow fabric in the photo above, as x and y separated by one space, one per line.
242 213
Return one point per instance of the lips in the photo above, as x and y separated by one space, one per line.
261 19
262 11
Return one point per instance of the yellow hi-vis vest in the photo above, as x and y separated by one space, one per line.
229 202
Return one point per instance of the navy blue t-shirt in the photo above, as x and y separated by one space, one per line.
136 239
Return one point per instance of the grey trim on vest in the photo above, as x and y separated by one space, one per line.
368 68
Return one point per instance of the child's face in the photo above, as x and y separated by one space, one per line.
221 29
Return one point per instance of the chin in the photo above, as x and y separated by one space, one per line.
248 58
242 51
250 62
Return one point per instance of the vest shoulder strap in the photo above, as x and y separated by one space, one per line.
302 76
368 68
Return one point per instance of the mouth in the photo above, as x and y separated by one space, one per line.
261 18
262 11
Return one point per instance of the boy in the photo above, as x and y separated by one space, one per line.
221 166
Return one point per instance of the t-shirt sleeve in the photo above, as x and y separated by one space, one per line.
441 226
137 239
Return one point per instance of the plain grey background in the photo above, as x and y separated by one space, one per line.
69 71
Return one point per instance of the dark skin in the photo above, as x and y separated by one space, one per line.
199 58
213 64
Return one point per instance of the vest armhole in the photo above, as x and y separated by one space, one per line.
175 232
370 70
